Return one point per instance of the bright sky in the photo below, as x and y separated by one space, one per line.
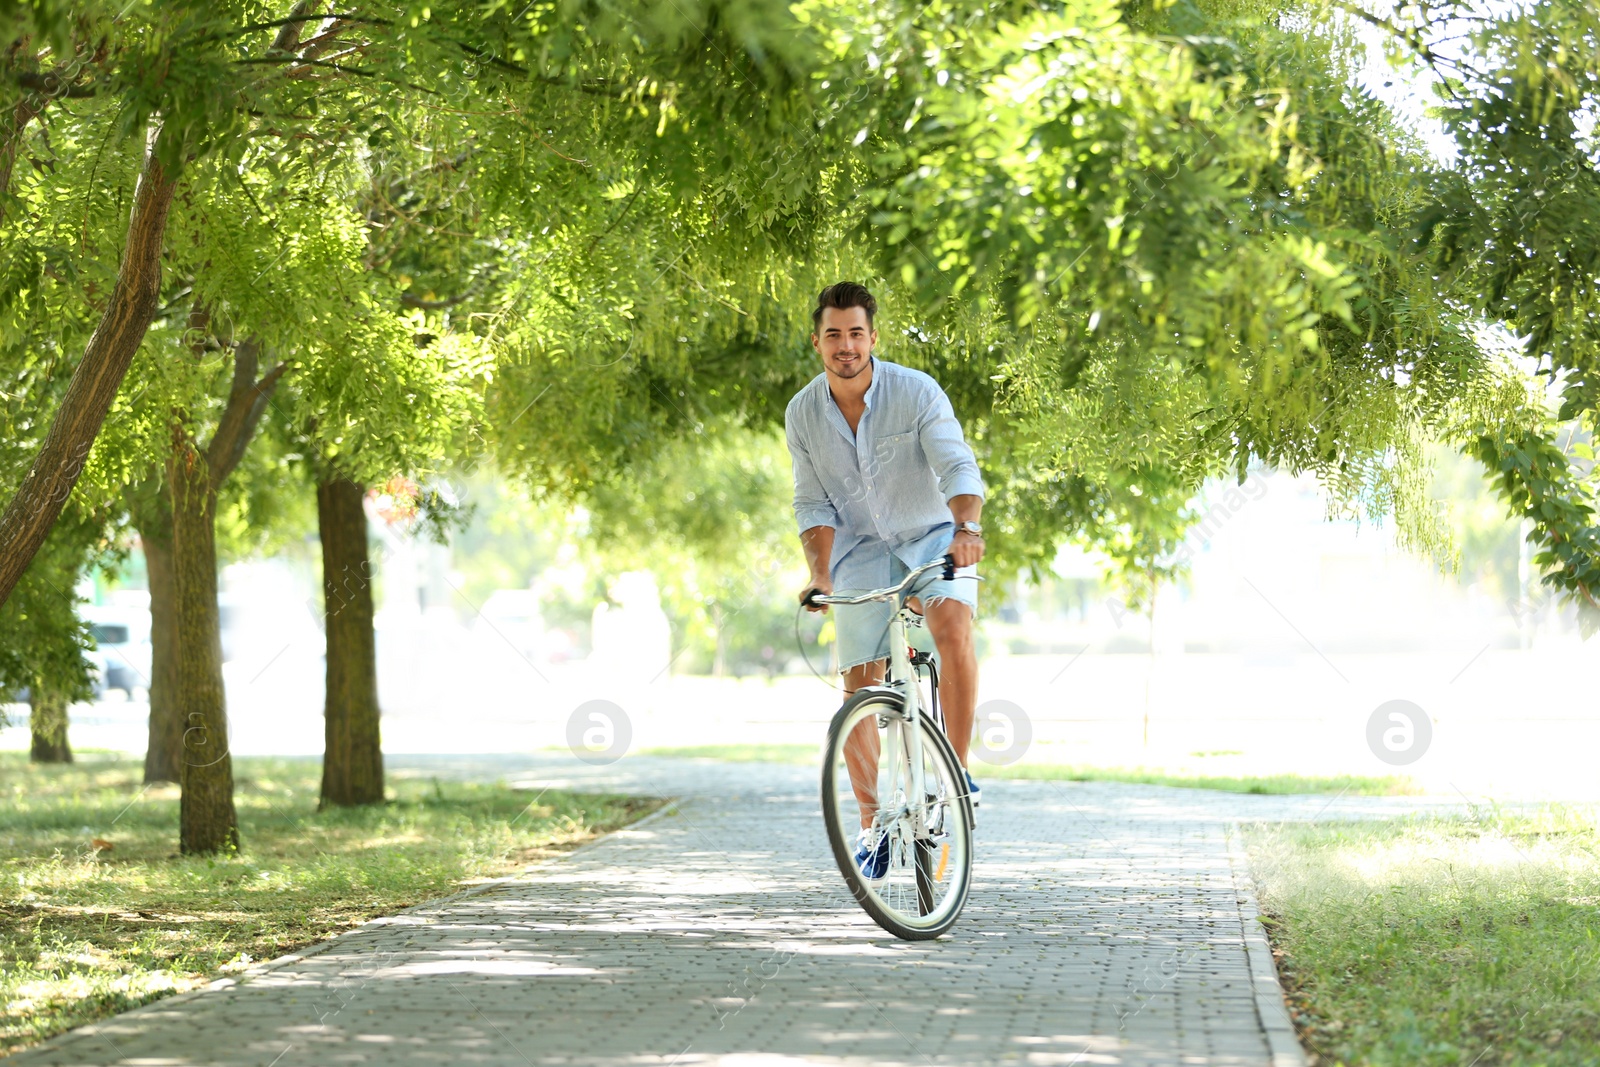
1409 90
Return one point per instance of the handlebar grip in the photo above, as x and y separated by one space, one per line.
809 597
949 567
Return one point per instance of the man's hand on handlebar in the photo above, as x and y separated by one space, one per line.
818 585
966 548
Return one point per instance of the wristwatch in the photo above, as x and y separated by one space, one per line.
973 528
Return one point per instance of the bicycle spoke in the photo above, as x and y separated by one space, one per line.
917 876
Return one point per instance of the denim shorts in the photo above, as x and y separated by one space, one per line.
862 630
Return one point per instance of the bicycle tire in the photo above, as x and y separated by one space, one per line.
931 921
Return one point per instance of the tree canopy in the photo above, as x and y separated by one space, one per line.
1142 245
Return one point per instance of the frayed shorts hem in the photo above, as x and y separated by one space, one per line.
862 630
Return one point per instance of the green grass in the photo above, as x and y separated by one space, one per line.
1354 785
1431 941
86 931
1347 784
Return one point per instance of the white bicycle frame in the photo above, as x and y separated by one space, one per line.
899 676
900 679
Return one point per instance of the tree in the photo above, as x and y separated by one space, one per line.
1512 231
1159 280
195 473
1134 264
150 509
44 644
417 399
33 509
1141 245
229 80
235 85
416 181
350 356
352 758
1516 229
64 450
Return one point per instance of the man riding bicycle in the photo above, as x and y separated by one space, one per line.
885 482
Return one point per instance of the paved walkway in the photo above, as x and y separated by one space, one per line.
1108 924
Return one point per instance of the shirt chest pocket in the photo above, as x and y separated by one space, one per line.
849 477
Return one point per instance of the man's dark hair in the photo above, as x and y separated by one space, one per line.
844 295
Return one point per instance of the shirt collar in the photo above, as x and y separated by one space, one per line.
866 398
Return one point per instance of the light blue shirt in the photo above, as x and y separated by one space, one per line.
887 486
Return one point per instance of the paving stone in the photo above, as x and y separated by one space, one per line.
1107 925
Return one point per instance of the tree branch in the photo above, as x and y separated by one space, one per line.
613 225
491 59
297 61
323 41
53 85
24 113
593 88
60 461
1411 38
301 61
246 400
264 390
407 300
288 36
345 16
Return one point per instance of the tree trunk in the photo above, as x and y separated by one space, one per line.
352 760
207 821
48 723
163 755
34 509
26 111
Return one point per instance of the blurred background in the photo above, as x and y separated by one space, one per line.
1269 656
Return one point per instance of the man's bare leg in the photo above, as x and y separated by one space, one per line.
950 622
861 747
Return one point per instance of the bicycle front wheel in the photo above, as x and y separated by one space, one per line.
918 848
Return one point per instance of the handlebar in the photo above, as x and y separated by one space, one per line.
813 596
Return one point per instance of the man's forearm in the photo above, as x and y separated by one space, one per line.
966 507
818 545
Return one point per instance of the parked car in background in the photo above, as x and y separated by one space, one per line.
122 640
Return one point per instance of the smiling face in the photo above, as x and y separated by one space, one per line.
845 340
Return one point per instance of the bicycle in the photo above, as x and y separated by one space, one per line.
883 731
